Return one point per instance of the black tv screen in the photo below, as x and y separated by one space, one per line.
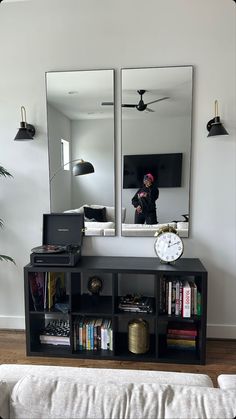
166 169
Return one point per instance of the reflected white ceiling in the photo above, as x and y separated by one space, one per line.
79 94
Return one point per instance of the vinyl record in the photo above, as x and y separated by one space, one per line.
48 248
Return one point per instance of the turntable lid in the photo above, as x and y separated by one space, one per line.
63 229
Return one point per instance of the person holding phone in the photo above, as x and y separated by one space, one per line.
144 201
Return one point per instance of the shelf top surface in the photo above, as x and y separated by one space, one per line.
128 264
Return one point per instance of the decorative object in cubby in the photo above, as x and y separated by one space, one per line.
95 285
138 336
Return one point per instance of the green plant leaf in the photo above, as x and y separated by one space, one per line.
4 172
7 258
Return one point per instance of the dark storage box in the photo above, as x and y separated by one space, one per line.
61 229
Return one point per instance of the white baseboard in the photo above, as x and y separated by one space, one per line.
12 322
221 331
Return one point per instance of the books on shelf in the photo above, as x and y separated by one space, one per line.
48 291
56 332
182 336
179 297
92 334
186 306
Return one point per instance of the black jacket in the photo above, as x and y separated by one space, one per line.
146 198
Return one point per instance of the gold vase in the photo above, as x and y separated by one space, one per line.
138 336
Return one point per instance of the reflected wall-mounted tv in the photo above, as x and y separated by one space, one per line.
166 169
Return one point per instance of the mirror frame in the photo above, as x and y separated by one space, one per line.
184 233
113 142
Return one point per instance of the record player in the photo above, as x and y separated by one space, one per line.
62 240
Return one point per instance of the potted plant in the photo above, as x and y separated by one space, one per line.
5 173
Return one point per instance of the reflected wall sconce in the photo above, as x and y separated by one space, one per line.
214 126
26 131
80 168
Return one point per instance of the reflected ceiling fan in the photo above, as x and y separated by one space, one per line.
140 106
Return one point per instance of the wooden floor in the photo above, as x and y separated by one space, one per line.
221 358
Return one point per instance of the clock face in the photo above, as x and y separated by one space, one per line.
168 247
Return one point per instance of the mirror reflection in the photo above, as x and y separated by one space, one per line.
80 139
156 149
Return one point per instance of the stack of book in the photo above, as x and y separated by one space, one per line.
181 336
136 304
93 334
57 332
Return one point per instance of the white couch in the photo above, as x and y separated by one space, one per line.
148 230
95 228
47 392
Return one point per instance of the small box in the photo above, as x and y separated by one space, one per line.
63 230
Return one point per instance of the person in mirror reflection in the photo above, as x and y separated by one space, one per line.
144 201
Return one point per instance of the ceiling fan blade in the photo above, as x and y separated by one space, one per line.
107 103
128 105
158 100
149 110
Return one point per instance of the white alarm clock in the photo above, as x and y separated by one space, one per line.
168 245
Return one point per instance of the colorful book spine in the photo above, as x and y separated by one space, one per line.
184 337
186 310
169 297
181 342
187 331
177 298
199 304
80 334
173 297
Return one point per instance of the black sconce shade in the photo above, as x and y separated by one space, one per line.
26 131
214 126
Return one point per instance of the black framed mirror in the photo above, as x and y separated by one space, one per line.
79 127
156 140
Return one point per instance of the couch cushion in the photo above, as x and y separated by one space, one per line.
227 381
95 214
42 397
143 229
196 402
155 227
93 231
12 373
99 229
4 400
109 232
96 224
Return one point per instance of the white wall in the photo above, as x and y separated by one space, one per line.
40 36
59 128
93 140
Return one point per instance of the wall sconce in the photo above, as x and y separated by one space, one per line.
214 126
26 131
80 168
